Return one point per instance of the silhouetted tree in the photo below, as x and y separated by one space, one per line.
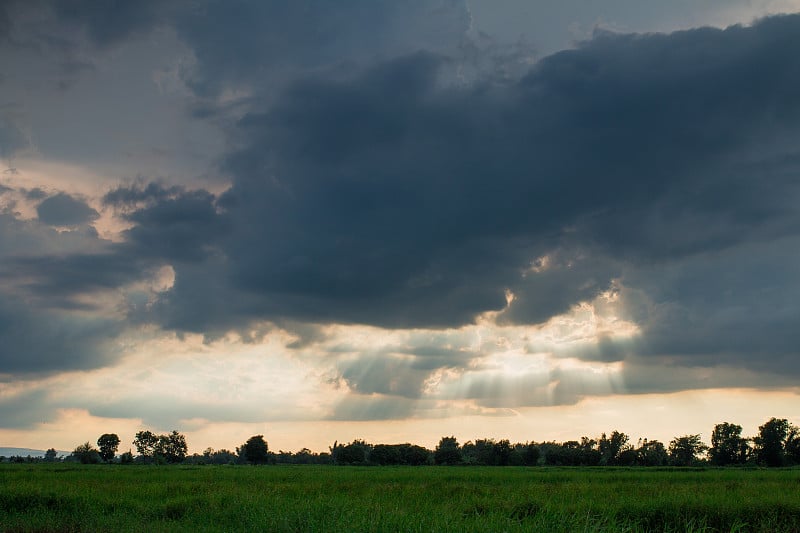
385 454
414 455
145 442
792 447
686 450
172 448
447 452
108 444
355 453
86 454
727 445
50 456
255 451
771 442
502 452
530 455
611 447
652 453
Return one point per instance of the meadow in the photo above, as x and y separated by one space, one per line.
71 497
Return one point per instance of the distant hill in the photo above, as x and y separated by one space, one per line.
24 452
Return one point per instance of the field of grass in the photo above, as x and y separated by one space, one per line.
66 497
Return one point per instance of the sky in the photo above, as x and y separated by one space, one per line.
397 221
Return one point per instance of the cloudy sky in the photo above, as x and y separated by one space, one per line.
395 221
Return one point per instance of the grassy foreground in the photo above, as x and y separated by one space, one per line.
324 498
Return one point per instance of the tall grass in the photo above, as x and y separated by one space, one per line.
320 498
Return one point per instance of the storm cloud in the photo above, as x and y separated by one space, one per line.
394 200
382 170
64 210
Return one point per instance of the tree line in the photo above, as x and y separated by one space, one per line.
776 444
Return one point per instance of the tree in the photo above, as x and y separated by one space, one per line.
652 453
255 451
611 447
172 447
86 454
502 452
727 445
530 455
145 442
50 456
355 453
447 452
686 450
792 447
771 441
411 454
108 444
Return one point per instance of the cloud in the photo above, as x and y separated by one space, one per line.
392 200
244 44
388 192
107 24
41 341
12 136
64 210
25 409
51 316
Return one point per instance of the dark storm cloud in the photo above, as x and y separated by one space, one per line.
56 280
253 42
34 194
36 341
109 23
184 227
738 306
140 193
49 317
65 210
25 410
12 137
393 195
393 200
259 45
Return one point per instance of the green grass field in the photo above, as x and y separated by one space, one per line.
64 497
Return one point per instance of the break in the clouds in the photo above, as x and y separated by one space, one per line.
429 222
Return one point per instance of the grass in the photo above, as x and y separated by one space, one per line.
65 497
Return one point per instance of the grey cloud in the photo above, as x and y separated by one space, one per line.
247 43
65 210
165 411
404 203
390 199
647 376
56 280
736 307
37 341
551 289
46 322
140 193
12 136
25 410
373 407
384 374
383 196
185 227
35 194
108 23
